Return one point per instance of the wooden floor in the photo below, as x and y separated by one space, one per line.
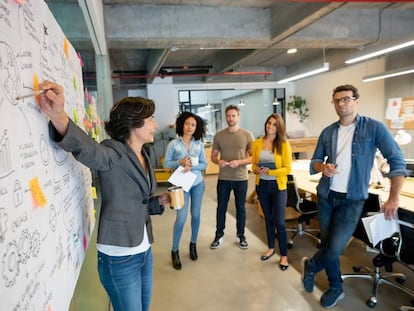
229 278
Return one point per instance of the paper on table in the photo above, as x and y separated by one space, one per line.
185 180
301 165
378 228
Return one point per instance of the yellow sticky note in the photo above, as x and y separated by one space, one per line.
94 196
66 47
37 192
36 87
93 135
75 82
90 111
75 116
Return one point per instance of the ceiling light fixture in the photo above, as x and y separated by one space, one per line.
241 103
276 102
324 68
389 74
292 51
380 52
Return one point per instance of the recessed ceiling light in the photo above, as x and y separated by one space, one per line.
292 51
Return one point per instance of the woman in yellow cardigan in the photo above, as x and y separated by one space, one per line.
271 162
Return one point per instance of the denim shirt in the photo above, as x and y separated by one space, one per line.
176 150
369 135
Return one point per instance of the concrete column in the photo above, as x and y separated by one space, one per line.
104 84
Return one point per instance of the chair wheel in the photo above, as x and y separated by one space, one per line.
371 302
290 244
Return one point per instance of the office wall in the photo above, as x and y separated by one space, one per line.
402 86
317 91
373 95
165 96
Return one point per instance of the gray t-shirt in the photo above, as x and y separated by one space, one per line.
233 146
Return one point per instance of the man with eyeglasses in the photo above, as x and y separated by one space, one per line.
344 154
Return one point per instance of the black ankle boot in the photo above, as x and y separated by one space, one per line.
176 260
193 251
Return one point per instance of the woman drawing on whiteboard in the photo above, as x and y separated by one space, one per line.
125 263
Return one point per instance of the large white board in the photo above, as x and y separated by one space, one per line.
46 206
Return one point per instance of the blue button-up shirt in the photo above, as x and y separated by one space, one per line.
177 149
369 135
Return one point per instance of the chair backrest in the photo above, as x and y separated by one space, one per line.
406 247
293 197
371 205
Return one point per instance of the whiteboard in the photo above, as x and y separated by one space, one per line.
46 206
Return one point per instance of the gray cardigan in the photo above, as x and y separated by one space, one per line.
126 191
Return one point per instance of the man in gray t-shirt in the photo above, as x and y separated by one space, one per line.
231 152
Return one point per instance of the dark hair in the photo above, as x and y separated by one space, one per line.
200 128
346 87
280 132
126 114
230 107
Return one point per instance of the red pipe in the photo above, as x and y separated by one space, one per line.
232 73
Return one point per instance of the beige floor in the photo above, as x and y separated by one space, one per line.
229 278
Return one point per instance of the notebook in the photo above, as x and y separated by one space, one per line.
270 165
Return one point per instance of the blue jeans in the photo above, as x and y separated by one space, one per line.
196 194
273 202
127 280
224 187
338 218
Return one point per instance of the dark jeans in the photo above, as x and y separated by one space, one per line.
224 187
273 202
338 218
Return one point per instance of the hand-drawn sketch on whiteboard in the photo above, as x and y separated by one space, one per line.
46 206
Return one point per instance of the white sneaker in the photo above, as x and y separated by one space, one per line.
216 243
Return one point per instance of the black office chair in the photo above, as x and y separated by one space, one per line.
399 247
307 210
405 253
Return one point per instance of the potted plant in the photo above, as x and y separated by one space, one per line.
297 106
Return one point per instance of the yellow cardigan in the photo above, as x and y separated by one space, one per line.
283 162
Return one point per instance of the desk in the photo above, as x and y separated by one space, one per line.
162 174
212 168
307 183
303 144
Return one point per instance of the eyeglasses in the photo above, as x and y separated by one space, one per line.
343 100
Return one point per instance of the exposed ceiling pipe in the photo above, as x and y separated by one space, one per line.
229 74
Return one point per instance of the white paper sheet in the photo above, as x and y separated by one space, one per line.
378 228
184 180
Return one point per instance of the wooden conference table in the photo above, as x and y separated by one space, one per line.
307 183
